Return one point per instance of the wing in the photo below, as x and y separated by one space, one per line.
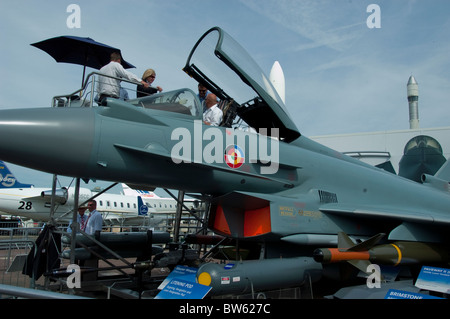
444 172
413 225
154 153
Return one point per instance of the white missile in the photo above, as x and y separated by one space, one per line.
413 101
276 77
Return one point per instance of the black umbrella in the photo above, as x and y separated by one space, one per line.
78 50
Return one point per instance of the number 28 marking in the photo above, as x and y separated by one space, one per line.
25 205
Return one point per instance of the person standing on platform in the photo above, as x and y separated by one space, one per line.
95 219
81 219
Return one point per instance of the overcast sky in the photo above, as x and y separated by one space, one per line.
341 76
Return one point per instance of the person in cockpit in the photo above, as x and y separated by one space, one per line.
202 93
213 114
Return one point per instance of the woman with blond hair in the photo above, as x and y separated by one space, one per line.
148 76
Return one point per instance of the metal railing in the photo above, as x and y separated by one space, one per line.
15 244
87 95
28 293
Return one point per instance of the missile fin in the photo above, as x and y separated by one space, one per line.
361 265
367 244
344 242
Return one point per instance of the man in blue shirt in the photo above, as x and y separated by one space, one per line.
81 219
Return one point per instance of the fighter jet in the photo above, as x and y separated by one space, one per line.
272 189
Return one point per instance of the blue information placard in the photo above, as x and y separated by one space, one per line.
180 272
181 289
434 278
181 284
400 294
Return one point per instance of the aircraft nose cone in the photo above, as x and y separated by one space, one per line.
47 139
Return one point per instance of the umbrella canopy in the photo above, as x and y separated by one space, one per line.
79 50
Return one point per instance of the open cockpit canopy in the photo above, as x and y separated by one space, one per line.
226 69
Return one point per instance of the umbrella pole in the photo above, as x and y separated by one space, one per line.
82 79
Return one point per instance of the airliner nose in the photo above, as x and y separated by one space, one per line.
47 138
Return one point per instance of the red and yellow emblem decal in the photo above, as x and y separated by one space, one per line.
234 156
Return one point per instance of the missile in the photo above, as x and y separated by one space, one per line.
247 276
83 254
276 77
391 254
126 244
114 240
396 253
412 90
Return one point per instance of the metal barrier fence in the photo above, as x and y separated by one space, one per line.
15 244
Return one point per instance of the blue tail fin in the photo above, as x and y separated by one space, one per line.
8 180
142 208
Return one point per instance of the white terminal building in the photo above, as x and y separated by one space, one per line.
379 147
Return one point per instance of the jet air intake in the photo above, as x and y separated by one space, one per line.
239 215
422 155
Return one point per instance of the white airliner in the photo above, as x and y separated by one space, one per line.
26 201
